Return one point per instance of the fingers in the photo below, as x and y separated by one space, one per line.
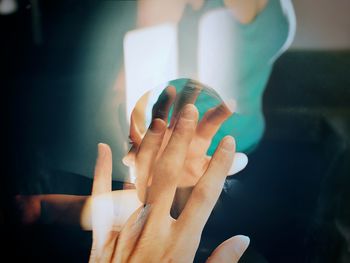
102 183
188 95
135 138
160 110
103 170
169 168
129 237
207 190
147 154
212 121
230 251
162 106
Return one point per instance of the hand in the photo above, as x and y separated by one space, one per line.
196 160
151 234
106 210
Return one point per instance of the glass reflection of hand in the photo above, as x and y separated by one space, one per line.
197 160
151 234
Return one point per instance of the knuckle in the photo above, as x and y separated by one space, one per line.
202 193
184 128
166 168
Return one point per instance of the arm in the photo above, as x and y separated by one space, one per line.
71 209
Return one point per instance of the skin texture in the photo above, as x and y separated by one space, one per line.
151 234
197 160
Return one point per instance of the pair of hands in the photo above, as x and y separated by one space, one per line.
162 160
113 212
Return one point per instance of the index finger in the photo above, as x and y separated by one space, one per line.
102 182
207 190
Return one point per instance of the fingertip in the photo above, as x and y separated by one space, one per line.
125 161
158 126
228 143
241 243
237 244
171 90
189 112
128 160
101 150
231 250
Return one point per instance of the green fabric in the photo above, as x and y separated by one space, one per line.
259 43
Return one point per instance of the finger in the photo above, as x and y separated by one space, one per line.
129 158
105 253
230 251
212 121
129 237
240 161
135 138
102 221
168 170
207 190
109 212
135 134
102 182
147 154
162 106
188 95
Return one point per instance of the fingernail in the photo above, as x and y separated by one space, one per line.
228 143
157 125
189 112
243 244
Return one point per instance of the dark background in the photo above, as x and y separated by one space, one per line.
293 193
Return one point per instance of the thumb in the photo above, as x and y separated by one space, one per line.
230 251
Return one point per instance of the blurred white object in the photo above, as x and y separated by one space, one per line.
150 58
240 161
8 7
217 61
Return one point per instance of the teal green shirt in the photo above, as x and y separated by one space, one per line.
257 45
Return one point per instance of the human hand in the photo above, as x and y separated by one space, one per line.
151 234
197 159
106 211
